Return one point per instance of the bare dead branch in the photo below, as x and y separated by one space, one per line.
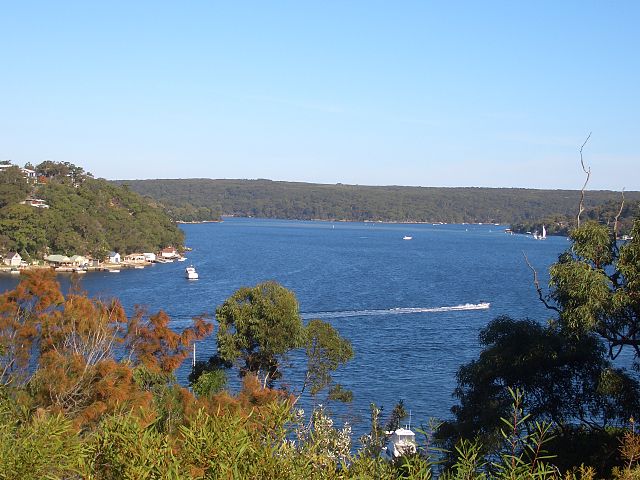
587 172
615 223
536 283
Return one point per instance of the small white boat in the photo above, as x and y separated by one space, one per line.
114 270
182 259
407 237
401 442
15 271
190 273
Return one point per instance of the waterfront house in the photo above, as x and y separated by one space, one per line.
13 259
169 252
79 260
135 258
113 257
149 257
58 260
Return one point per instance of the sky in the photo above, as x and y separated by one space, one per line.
491 93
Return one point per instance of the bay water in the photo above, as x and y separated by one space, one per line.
409 307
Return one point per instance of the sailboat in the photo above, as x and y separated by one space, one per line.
537 236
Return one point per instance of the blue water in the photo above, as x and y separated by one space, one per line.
381 292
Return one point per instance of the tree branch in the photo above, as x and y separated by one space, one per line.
588 174
615 223
536 283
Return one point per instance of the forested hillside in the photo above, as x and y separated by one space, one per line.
205 199
62 209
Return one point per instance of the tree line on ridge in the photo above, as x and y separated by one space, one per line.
207 199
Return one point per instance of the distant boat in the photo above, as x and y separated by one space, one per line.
537 236
190 273
114 270
407 237
182 259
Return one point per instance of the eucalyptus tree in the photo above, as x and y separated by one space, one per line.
595 287
259 326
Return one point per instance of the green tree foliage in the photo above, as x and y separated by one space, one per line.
36 446
268 199
398 414
326 350
209 383
596 287
214 373
62 171
14 187
564 380
23 227
258 326
86 215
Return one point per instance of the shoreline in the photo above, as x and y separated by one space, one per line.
195 222
111 267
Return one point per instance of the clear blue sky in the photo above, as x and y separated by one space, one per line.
485 93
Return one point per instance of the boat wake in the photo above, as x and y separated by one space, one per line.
395 311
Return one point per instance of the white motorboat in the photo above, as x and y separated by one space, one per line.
190 273
401 442
407 237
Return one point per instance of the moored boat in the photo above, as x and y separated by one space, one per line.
401 442
190 273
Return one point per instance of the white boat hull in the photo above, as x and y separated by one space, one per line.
190 273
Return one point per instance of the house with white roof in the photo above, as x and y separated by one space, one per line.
169 252
135 258
79 260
